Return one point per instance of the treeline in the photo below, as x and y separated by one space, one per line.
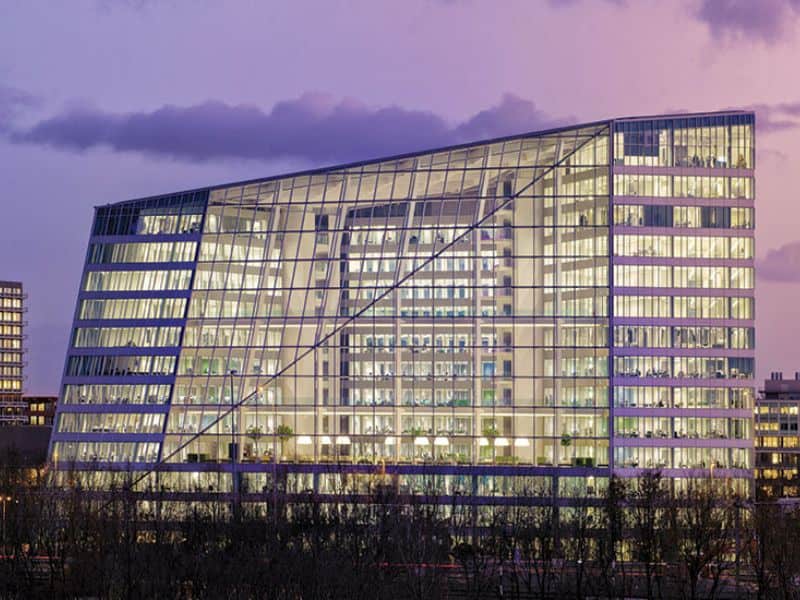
638 538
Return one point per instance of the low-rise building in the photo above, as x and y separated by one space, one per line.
40 410
777 439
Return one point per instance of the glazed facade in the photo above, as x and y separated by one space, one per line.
545 308
11 352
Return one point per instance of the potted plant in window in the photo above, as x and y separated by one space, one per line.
416 432
418 452
490 431
566 442
255 433
284 433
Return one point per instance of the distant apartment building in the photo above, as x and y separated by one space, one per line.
32 410
547 309
777 415
26 441
40 410
12 406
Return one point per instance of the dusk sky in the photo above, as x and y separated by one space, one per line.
104 100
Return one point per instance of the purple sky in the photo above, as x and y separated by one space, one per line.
107 100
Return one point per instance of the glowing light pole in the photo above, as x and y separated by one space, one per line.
234 450
5 500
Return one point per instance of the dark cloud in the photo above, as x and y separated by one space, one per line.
782 264
313 127
770 118
107 6
512 115
760 20
13 101
562 3
777 117
789 108
772 155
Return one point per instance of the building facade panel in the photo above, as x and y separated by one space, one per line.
683 287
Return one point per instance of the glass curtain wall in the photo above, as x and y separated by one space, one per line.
448 308
526 301
128 329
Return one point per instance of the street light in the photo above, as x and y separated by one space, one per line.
5 500
233 447
232 372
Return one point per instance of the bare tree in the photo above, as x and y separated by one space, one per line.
651 533
611 538
704 520
579 525
534 541
771 550
472 546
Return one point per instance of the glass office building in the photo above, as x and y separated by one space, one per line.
551 307
12 406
